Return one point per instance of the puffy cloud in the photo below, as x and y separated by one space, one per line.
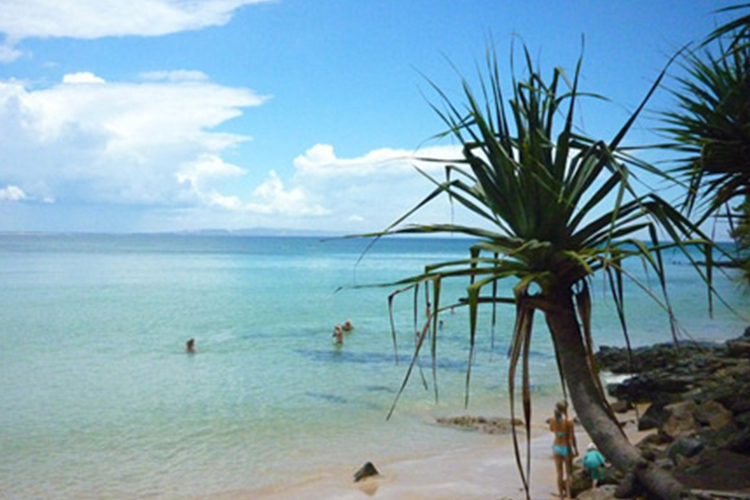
369 191
153 144
84 77
12 193
273 198
88 140
207 167
89 19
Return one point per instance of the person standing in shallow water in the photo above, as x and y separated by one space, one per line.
190 346
564 447
338 334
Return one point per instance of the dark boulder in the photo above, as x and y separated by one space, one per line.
654 417
687 447
644 388
740 442
367 470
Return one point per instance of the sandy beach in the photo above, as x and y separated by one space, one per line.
478 471
484 468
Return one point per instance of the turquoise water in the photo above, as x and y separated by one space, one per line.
98 398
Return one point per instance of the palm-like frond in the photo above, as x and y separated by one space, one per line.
711 128
557 207
738 29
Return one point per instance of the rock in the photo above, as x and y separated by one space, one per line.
654 417
580 481
680 421
700 405
621 406
365 471
713 414
739 348
743 420
715 470
687 447
740 442
606 492
741 403
645 388
722 393
628 487
481 424
664 463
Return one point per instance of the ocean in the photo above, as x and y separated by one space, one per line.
100 400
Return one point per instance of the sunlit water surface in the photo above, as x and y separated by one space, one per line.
98 398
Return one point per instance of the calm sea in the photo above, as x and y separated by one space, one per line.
98 398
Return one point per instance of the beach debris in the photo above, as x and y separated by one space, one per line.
365 471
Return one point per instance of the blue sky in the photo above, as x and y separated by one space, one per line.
170 115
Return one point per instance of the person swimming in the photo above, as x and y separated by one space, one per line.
347 327
338 334
190 345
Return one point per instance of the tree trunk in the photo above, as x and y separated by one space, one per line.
604 431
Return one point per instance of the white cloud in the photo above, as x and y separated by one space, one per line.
89 19
360 193
175 76
207 167
154 144
321 161
9 54
12 193
271 197
84 77
116 142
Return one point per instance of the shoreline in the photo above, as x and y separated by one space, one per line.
483 467
474 471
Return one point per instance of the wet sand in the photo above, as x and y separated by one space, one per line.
485 470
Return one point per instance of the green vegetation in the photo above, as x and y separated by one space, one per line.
711 130
560 208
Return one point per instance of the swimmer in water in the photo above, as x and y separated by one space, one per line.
338 334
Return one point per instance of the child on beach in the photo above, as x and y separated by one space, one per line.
593 462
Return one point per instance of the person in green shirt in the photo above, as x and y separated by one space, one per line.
593 462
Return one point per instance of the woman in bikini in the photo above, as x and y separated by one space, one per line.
564 447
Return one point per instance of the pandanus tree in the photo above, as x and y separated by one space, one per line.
557 208
710 129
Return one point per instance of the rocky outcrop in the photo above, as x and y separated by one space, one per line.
699 405
483 425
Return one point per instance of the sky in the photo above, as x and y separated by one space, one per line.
185 115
